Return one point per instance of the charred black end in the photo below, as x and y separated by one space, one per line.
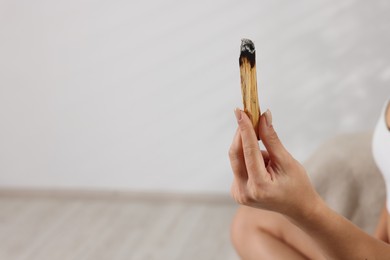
248 52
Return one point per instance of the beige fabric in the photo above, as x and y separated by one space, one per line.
345 175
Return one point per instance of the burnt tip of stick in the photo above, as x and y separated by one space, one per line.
247 46
248 52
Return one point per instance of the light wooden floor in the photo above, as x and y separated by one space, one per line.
66 227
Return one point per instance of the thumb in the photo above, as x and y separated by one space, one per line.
277 152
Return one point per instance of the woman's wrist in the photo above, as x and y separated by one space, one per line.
310 212
337 237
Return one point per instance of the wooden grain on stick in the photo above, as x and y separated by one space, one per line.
249 82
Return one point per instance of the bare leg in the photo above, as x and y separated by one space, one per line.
259 234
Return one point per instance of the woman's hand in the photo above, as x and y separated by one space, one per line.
271 179
274 180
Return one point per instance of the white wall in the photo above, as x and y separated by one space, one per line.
139 95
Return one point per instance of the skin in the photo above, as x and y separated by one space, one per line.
382 232
282 214
262 234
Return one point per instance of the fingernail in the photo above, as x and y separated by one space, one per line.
268 117
237 112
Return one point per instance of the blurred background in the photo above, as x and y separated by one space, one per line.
137 98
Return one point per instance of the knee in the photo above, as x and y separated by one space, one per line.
249 222
239 227
245 224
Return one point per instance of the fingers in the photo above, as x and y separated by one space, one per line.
237 160
270 139
252 155
265 157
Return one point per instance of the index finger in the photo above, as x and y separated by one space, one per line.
237 160
253 158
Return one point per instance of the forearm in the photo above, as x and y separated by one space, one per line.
278 182
337 237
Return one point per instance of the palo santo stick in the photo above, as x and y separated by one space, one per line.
249 82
